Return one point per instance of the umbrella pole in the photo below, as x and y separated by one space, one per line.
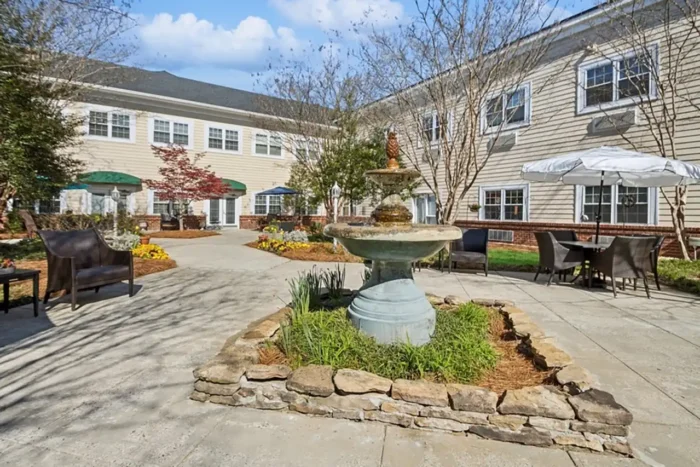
598 216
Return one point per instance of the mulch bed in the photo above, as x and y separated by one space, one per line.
514 370
183 234
317 251
23 290
10 235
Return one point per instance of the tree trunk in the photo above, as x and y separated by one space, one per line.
678 217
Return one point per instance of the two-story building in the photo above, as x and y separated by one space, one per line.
141 109
587 91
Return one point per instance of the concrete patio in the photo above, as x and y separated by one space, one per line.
108 383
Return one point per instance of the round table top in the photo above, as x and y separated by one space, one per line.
586 245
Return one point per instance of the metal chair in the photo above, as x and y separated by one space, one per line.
554 256
626 258
565 236
472 248
654 256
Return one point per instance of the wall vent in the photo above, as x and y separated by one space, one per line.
501 235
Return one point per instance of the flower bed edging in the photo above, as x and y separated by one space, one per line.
575 415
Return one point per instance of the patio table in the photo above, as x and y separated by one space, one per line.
589 248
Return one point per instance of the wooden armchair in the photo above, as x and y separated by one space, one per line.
81 259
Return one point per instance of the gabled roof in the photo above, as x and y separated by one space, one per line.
163 83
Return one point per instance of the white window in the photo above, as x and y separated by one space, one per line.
50 206
181 134
309 210
160 206
268 204
431 127
508 203
619 205
425 209
507 110
223 138
308 150
169 130
267 145
616 81
349 211
110 124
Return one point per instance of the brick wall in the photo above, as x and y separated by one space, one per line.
523 232
153 221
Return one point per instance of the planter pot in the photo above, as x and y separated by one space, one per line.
8 270
145 240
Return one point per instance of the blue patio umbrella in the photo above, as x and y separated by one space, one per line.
279 190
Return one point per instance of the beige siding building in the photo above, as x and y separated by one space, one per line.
578 98
124 120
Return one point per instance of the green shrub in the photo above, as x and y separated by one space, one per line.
334 280
458 352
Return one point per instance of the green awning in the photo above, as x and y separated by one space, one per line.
111 178
236 186
77 186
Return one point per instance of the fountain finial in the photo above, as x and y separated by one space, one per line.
392 151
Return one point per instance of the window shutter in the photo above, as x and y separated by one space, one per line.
578 203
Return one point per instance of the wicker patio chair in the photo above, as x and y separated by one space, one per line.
626 258
554 256
81 259
473 248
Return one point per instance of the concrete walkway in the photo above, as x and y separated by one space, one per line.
108 383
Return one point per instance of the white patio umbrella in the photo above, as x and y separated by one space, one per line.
611 166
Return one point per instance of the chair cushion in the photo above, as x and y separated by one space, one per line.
102 275
468 256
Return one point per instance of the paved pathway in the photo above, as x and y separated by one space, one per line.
108 383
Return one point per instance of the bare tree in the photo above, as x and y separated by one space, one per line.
77 41
454 78
654 49
314 108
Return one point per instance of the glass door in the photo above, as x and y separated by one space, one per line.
214 211
230 211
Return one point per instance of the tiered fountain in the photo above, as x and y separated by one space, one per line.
390 306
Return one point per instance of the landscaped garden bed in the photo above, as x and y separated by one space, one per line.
488 372
30 254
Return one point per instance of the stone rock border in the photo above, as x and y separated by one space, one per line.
574 415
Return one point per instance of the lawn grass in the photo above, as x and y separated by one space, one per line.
501 259
681 274
458 352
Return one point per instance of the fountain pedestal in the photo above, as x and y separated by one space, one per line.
391 307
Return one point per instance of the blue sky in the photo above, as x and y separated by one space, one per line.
229 42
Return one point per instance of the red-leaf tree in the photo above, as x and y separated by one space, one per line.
182 181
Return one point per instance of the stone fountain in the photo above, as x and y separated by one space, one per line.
390 306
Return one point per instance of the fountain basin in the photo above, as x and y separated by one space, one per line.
393 243
390 306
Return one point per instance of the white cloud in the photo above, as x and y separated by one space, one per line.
341 14
188 41
550 14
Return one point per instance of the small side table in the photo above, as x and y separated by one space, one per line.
17 276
